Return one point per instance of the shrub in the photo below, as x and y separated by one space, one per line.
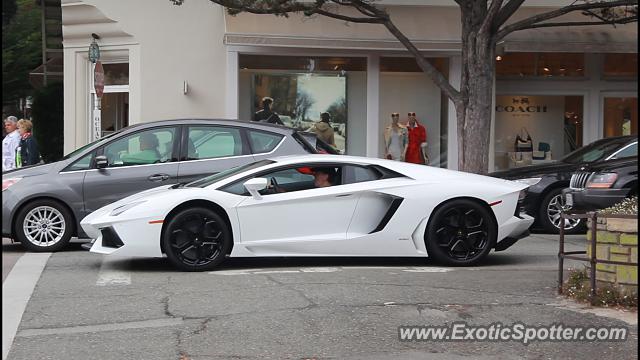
628 206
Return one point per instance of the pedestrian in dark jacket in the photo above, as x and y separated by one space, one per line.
27 152
266 114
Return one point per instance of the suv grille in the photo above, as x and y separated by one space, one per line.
579 180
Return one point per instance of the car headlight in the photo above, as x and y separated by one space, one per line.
120 209
529 181
601 180
8 182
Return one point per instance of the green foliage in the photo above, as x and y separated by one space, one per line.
628 206
9 8
21 50
48 121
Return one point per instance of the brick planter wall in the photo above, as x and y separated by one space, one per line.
616 240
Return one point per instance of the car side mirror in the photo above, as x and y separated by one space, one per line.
101 162
255 185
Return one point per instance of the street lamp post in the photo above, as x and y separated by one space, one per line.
98 84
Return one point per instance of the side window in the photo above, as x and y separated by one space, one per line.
356 174
289 180
629 151
262 142
83 164
206 142
145 147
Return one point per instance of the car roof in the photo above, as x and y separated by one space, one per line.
230 122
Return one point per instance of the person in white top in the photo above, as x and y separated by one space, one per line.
10 143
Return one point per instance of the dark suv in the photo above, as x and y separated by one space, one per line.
545 200
42 205
602 185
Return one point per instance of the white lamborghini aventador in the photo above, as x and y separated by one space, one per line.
316 205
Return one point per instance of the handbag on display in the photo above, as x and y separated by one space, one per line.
524 144
520 158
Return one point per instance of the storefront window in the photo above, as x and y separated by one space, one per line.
620 116
116 74
404 89
304 88
536 129
540 65
620 65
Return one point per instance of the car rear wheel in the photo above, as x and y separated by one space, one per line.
44 226
461 233
551 207
196 239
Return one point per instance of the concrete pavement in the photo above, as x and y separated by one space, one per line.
335 308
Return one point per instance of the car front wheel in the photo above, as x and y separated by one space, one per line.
460 233
44 226
551 207
196 239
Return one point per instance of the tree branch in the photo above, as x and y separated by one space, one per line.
507 11
424 64
488 21
528 22
626 20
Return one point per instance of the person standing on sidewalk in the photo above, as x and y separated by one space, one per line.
417 135
10 143
27 152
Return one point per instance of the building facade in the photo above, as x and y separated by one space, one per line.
562 87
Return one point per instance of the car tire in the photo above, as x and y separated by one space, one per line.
460 233
549 215
196 239
44 226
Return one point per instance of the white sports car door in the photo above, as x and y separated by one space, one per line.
312 222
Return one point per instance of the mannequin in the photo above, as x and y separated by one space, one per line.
417 135
395 139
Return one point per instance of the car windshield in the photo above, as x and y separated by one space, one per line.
204 182
81 149
593 152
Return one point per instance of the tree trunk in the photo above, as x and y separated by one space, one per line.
473 111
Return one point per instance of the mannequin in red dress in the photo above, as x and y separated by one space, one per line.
417 135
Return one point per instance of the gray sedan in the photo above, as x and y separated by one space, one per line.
42 205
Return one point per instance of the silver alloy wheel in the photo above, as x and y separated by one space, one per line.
43 226
555 207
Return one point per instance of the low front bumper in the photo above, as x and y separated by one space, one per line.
136 237
594 199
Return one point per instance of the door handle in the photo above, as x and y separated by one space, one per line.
158 177
343 195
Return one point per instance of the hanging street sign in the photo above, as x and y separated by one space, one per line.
98 79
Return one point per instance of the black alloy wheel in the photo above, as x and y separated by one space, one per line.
460 233
196 239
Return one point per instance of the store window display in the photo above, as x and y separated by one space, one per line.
417 135
395 139
532 130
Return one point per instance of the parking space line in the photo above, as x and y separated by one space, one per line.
102 327
16 292
111 273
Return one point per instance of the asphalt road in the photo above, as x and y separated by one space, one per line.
90 306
